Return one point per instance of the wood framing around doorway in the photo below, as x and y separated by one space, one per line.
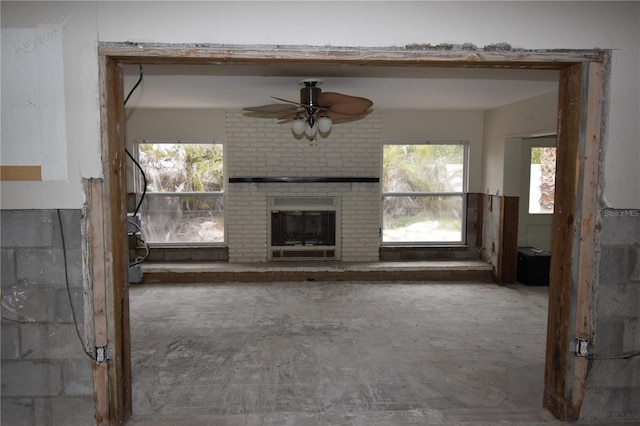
581 91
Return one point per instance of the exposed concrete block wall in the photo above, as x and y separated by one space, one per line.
261 147
613 382
46 375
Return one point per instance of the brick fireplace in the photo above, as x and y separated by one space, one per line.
267 165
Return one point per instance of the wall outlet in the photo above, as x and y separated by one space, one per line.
582 347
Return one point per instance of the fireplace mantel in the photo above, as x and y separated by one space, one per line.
303 179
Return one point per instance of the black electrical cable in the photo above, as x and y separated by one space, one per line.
624 356
66 276
144 180
134 87
12 320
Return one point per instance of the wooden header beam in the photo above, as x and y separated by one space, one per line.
415 55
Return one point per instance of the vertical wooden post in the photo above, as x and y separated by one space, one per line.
508 240
586 273
560 283
479 219
116 252
96 264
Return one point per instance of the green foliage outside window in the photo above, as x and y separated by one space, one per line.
423 187
182 167
184 202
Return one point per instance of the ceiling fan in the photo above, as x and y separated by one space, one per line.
316 110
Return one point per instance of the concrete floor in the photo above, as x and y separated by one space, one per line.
338 353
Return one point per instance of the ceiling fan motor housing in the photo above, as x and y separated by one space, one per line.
309 93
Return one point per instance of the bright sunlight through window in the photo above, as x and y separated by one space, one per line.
423 193
542 180
184 200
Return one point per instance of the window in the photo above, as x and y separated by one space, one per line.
542 180
184 199
423 193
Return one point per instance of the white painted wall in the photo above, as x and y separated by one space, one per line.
530 117
534 25
184 124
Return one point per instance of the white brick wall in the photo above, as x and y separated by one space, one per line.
361 223
246 218
261 147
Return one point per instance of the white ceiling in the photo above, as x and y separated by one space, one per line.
239 86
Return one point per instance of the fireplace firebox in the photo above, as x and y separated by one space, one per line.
304 228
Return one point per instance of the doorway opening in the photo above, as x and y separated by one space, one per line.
583 74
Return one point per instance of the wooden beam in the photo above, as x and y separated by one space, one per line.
414 56
21 173
508 240
116 270
586 274
96 248
479 219
560 283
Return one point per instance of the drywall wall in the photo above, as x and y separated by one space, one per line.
532 25
31 110
185 124
530 117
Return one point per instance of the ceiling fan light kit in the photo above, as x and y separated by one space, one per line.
298 125
316 110
324 124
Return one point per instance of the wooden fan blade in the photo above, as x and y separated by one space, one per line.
289 116
318 107
345 104
332 114
335 116
272 108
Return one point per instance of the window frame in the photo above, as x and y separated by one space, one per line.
462 194
222 193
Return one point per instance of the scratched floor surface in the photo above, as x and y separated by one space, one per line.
316 353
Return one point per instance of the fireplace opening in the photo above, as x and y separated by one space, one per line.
304 227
